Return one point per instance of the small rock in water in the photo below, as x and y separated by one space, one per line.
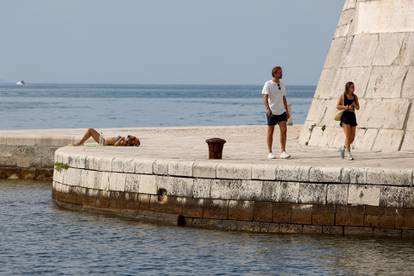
29 176
13 177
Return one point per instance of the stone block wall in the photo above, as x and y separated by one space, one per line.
234 196
373 46
27 156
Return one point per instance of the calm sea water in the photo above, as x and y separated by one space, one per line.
39 238
81 106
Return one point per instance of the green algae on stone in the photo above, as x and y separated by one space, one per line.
61 166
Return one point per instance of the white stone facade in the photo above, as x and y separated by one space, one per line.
373 46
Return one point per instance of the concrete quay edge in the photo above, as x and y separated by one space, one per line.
230 169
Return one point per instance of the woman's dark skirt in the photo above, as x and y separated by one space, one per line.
348 118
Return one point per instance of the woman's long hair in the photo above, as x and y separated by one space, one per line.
348 87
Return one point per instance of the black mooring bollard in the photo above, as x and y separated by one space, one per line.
215 148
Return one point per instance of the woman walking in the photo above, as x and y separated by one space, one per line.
348 102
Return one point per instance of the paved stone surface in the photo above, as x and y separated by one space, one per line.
183 152
245 145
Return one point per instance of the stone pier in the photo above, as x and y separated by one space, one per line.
170 180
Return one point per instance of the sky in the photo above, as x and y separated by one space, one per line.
165 41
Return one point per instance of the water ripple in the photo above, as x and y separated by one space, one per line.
39 238
81 106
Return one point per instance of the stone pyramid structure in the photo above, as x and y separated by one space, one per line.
373 46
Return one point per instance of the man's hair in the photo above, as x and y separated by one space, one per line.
275 70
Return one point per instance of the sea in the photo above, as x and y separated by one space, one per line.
38 238
42 106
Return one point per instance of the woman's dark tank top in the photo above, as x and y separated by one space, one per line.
347 101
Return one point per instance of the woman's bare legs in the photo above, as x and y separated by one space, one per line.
88 134
353 131
348 135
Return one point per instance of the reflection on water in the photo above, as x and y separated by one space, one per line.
37 237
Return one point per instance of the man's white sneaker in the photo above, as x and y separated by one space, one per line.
350 157
271 156
284 155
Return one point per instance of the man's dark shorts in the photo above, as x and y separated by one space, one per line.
276 119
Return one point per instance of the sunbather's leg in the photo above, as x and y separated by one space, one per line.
88 134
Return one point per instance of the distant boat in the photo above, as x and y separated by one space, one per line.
20 83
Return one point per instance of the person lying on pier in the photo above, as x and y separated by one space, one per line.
130 140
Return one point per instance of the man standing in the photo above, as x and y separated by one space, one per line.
277 112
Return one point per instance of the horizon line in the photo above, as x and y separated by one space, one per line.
162 84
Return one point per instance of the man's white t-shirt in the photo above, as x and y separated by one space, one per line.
275 98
